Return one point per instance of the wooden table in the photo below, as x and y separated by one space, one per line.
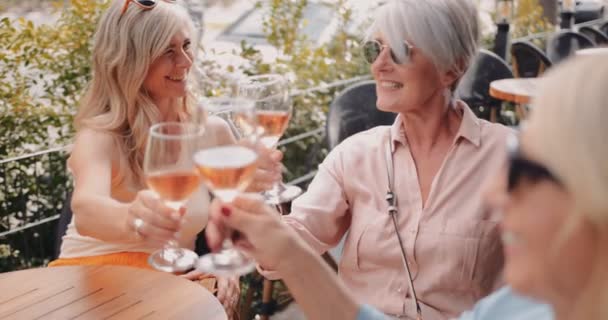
103 292
518 90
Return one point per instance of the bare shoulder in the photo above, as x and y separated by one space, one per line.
96 141
91 145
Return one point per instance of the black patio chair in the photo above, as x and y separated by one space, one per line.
354 110
474 87
62 225
528 60
594 34
604 29
565 43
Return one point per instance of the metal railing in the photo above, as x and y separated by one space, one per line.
33 189
546 34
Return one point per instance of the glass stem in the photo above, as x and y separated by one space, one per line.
171 250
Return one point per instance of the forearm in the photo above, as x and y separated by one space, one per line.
315 286
101 217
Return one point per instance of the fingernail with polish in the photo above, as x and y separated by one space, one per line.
226 211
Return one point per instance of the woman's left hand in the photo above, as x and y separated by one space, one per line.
268 171
228 293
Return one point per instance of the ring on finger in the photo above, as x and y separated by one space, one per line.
138 223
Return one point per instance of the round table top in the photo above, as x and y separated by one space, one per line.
518 90
102 292
592 51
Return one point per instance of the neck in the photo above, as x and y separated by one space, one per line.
590 301
433 121
562 306
166 108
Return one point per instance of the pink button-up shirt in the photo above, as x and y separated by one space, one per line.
452 245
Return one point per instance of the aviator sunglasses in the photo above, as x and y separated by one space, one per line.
143 4
373 48
522 168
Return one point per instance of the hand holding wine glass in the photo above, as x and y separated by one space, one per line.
158 222
170 172
226 111
227 169
265 236
273 109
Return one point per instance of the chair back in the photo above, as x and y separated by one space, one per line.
65 217
604 29
597 36
528 60
474 87
565 43
354 110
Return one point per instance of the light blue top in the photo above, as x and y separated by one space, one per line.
501 305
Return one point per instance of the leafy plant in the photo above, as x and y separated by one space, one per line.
529 19
44 69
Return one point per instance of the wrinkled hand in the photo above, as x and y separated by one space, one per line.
160 222
228 291
264 236
268 171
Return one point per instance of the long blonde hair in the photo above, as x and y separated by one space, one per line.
569 130
115 100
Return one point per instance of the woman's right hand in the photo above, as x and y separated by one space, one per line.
160 222
263 234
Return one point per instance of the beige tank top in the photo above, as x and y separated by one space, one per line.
76 245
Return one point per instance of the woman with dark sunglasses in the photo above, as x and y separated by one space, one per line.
552 198
441 154
142 57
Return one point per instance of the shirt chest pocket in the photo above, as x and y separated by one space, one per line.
464 255
375 245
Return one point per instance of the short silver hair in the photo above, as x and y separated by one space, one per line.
446 31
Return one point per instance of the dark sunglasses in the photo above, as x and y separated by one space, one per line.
143 4
373 48
522 168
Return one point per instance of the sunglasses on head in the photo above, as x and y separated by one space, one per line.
143 4
373 48
521 168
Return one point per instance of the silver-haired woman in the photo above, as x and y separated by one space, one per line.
441 153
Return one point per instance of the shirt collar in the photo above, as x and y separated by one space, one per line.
470 127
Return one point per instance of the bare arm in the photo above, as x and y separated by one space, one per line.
96 213
272 243
316 287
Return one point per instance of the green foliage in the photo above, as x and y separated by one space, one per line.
44 70
307 65
529 19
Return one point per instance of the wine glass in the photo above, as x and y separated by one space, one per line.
273 110
227 167
172 174
234 112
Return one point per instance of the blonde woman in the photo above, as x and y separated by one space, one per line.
142 57
552 197
555 204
